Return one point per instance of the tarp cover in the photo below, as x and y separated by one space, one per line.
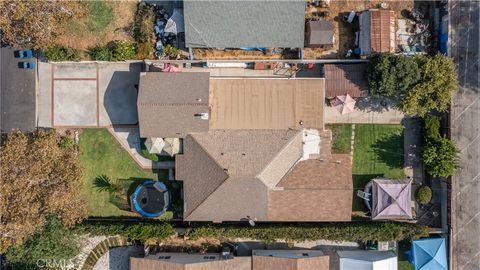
367 260
175 23
429 254
391 199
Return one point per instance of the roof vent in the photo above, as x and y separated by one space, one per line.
203 116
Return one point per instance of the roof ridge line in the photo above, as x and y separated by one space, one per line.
210 156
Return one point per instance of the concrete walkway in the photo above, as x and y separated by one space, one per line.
367 111
412 142
129 139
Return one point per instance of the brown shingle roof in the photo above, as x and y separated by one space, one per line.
277 263
169 102
227 173
236 263
231 174
341 79
314 190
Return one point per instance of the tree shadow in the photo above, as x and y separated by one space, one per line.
389 149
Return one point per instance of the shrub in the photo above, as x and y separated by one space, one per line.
101 53
171 51
59 53
66 142
135 230
379 231
423 194
123 50
431 127
440 157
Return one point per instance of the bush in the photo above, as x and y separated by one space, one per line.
123 50
135 231
423 194
101 53
59 53
171 51
440 157
66 142
431 126
54 242
378 231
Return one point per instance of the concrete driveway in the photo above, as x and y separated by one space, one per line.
88 94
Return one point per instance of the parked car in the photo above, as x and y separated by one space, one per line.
24 54
26 65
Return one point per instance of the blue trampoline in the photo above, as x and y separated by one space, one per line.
150 199
429 254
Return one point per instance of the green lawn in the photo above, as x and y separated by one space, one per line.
378 151
341 134
102 155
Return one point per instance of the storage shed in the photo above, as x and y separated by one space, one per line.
320 34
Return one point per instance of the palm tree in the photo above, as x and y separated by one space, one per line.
104 183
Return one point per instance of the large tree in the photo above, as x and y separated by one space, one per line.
37 23
39 178
392 75
435 89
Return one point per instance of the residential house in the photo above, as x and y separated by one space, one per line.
237 24
260 260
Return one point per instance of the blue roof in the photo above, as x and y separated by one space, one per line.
429 254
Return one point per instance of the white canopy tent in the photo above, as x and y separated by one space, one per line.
367 260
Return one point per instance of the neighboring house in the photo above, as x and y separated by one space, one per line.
172 104
237 24
289 260
341 79
377 31
260 260
230 175
320 34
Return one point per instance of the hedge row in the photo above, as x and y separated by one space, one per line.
134 231
355 231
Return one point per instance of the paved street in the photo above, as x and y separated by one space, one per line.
465 123
17 93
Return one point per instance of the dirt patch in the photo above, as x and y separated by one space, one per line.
344 36
236 54
78 36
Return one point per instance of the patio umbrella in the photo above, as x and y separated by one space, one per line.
154 145
170 68
172 146
344 104
176 23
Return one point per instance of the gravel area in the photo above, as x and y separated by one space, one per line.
118 258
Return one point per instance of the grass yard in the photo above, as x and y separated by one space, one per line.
102 155
341 134
378 151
